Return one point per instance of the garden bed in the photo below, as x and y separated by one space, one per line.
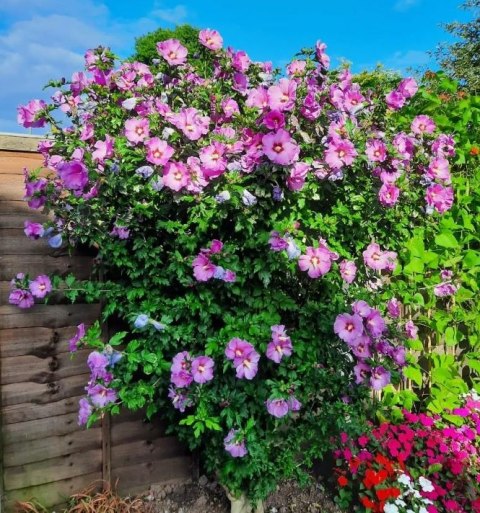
208 496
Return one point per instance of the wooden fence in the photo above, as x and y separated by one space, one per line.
44 452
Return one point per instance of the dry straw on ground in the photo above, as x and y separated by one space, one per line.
92 501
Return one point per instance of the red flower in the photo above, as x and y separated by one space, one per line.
380 458
354 463
367 502
373 478
387 493
342 481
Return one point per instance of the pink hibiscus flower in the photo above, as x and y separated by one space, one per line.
316 261
175 175
280 148
172 51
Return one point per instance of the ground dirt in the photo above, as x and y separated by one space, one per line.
205 496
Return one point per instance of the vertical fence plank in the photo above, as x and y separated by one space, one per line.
106 451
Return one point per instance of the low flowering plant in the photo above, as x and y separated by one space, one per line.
423 464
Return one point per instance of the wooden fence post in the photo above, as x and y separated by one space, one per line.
106 452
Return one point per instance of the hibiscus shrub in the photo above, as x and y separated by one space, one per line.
423 464
243 223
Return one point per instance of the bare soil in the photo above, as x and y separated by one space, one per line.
207 496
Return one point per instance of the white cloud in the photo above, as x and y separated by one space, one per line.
37 50
52 30
404 5
401 61
176 15
86 8
46 39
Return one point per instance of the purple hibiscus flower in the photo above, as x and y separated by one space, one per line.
361 347
374 323
399 355
202 369
294 404
362 308
445 289
74 174
277 407
21 298
235 444
98 363
281 344
348 271
28 115
181 379
101 395
393 307
84 411
411 330
238 348
33 230
180 401
247 365
203 268
74 341
380 378
277 243
348 327
362 371
40 286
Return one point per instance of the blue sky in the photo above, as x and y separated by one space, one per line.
43 39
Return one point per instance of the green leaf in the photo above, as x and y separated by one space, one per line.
418 299
471 258
446 239
117 338
474 364
450 336
413 372
414 266
415 345
188 421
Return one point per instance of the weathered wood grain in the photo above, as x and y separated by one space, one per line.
146 450
49 316
138 478
43 393
14 242
39 341
12 167
41 428
23 369
24 412
53 469
130 431
21 144
45 453
16 207
33 265
15 220
53 494
40 449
